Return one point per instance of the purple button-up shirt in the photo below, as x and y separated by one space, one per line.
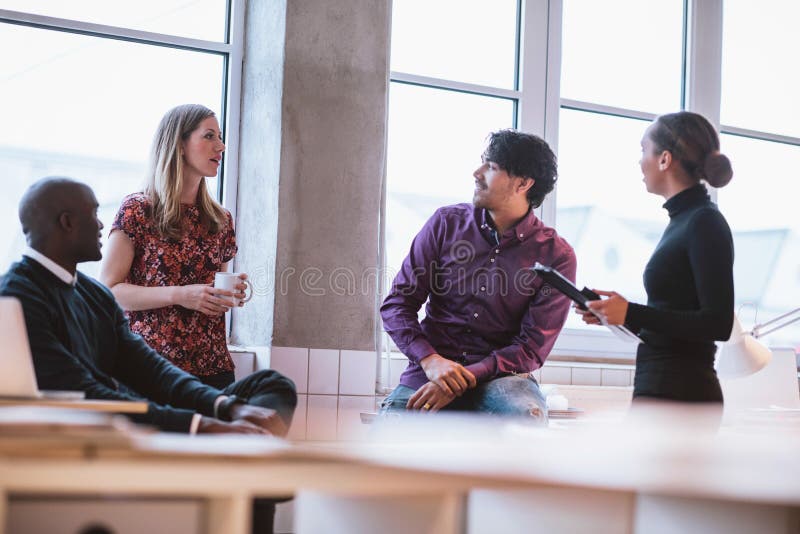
486 309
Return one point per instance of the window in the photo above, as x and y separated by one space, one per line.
590 76
761 124
619 70
85 101
450 88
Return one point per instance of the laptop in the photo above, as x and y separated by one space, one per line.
17 376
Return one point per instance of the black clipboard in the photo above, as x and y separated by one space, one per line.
580 297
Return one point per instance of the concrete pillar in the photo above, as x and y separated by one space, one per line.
332 153
259 167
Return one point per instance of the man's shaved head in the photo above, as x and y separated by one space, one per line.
44 202
59 219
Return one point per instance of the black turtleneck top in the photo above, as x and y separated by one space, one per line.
689 284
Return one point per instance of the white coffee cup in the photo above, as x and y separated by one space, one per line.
229 281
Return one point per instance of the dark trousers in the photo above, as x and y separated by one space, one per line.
268 389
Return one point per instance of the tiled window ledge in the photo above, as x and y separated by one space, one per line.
335 386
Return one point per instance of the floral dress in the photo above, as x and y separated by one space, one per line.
193 341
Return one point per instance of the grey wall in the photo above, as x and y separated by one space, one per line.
332 151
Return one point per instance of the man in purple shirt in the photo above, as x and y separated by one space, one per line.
489 321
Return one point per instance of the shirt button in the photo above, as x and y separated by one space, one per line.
483 288
463 353
475 314
497 251
491 260
521 236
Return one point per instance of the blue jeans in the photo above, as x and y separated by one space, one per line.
512 395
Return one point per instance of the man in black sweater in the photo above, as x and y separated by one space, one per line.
80 338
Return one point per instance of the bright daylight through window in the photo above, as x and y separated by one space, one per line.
86 106
618 70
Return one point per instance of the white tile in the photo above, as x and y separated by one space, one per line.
297 432
616 377
323 371
357 370
244 363
583 376
321 418
552 374
284 518
292 362
350 427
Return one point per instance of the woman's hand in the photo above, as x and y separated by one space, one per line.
241 288
612 310
204 298
587 316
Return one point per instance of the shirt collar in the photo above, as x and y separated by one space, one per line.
51 266
523 229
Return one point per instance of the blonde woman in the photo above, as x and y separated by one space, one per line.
166 244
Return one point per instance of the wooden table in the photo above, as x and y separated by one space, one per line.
82 404
436 475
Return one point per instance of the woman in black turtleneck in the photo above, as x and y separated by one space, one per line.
689 278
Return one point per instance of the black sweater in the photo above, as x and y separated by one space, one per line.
80 340
689 283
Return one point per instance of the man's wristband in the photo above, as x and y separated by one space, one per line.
224 408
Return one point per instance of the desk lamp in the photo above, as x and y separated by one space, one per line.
743 354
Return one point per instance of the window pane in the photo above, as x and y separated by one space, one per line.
623 53
759 83
87 108
198 19
604 211
436 138
470 41
766 234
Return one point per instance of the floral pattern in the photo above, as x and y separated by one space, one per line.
191 340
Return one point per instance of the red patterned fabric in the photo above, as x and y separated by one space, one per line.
191 340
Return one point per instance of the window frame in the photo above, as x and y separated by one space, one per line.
231 50
538 104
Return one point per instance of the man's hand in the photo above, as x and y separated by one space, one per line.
429 397
210 425
452 378
264 418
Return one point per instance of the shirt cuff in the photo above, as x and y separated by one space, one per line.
420 349
217 402
484 369
195 424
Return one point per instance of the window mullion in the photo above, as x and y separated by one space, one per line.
540 79
704 59
232 105
703 83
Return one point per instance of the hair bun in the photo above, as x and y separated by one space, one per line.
717 169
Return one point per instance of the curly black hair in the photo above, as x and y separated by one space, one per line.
525 155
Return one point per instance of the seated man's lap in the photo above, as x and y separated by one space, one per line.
512 395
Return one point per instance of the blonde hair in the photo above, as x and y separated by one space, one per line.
165 174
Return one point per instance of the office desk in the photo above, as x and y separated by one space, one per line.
111 406
452 476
